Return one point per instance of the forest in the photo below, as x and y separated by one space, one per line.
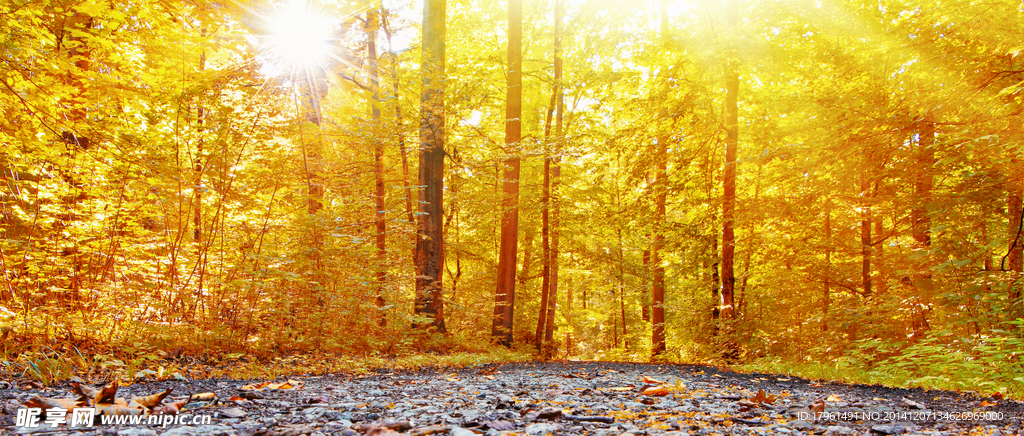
827 187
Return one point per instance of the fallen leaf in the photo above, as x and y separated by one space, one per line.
833 398
151 401
914 404
654 391
817 409
53 403
205 396
652 381
987 404
998 396
429 430
490 377
762 398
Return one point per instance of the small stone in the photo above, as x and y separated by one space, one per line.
233 412
459 431
212 430
136 432
838 430
541 429
887 429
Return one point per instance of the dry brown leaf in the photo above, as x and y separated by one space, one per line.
986 404
998 396
490 377
762 398
817 409
85 392
621 388
237 399
151 401
205 396
653 381
53 403
171 408
107 395
654 391
833 398
119 409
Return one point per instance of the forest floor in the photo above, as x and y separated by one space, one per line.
559 398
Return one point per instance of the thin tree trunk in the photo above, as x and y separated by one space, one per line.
865 233
505 294
429 257
732 85
545 288
827 288
399 127
921 227
378 161
549 329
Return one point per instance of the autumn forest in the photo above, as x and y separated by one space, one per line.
826 186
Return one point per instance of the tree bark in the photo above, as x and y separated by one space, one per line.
921 227
545 288
504 296
732 85
372 23
549 329
399 127
429 257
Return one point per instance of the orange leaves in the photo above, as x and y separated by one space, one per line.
833 398
106 402
654 391
290 384
762 398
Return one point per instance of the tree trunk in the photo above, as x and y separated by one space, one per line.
545 287
399 125
429 257
732 86
504 296
921 227
549 332
827 288
865 233
378 161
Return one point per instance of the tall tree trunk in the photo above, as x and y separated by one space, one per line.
658 270
545 287
505 294
622 281
827 288
399 127
865 232
372 23
732 86
197 217
549 329
429 257
921 227
1015 236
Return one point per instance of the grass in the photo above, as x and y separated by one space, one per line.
960 381
49 367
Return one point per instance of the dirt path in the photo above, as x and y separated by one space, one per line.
561 399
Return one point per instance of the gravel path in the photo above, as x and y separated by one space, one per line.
594 398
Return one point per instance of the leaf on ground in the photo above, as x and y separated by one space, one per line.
987 404
53 403
107 395
833 398
817 409
998 396
621 388
85 392
762 398
119 409
652 381
151 401
654 391
205 396
914 404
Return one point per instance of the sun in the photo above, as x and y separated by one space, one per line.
300 35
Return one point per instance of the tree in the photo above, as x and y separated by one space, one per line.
430 244
505 294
